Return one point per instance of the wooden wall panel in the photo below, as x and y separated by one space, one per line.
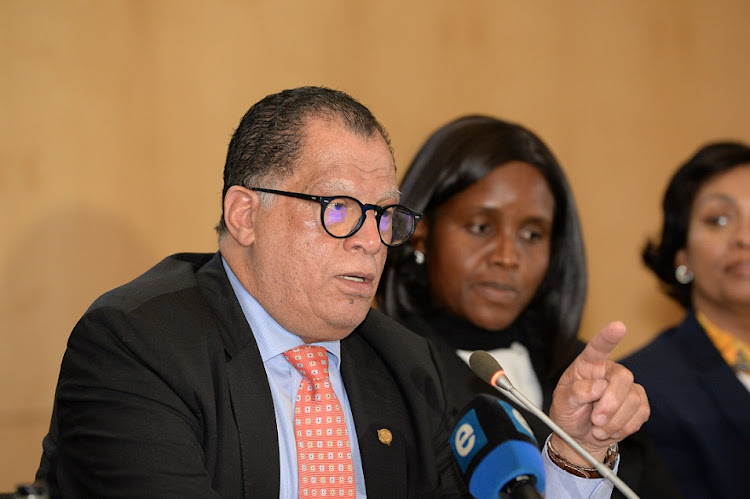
115 116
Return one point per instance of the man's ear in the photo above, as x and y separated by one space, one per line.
418 240
241 207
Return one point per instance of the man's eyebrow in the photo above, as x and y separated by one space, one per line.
345 188
395 193
333 185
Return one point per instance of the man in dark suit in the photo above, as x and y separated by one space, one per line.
177 384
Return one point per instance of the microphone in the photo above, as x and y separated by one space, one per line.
488 369
496 452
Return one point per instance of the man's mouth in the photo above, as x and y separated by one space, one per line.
353 278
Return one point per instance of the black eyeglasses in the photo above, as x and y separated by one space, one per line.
342 216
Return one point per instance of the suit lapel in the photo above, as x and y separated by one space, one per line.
253 410
248 385
371 391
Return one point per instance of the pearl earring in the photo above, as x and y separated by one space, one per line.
418 257
683 274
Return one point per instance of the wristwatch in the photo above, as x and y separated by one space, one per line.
609 461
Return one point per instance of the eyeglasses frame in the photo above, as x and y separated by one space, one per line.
326 200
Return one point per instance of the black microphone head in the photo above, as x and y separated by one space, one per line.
484 365
494 447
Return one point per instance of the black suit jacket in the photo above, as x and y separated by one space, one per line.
162 393
700 411
640 465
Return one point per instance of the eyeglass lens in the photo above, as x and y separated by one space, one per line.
342 216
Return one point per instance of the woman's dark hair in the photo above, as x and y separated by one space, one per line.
455 157
709 161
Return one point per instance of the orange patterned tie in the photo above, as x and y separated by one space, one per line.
324 458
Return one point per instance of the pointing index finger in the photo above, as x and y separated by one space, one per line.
597 350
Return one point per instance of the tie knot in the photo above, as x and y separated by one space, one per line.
311 361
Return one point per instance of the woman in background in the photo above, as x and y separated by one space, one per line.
696 374
498 264
498 261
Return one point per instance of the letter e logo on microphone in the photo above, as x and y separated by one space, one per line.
464 440
467 439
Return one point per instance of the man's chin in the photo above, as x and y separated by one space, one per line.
351 315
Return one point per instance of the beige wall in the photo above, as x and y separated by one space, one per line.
115 116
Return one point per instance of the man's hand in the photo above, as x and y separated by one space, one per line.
596 400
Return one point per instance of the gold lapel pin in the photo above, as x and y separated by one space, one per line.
384 435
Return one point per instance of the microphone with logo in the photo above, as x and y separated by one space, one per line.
496 452
487 368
